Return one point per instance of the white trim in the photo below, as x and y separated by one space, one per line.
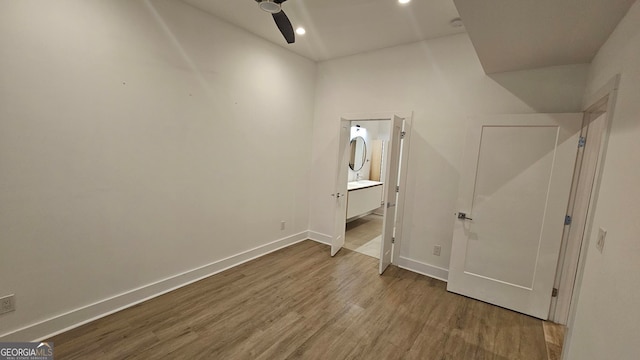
610 89
587 167
407 116
319 237
387 115
80 316
404 167
423 268
607 89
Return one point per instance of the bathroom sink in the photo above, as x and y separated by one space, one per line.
353 185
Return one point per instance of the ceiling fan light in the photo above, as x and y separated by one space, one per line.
270 7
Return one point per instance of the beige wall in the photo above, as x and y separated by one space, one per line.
443 83
606 323
140 140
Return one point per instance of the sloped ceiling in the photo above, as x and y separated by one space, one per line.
508 35
525 34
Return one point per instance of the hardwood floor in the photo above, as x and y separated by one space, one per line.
363 231
299 303
554 338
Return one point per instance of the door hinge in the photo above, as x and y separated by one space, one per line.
398 188
554 292
402 134
568 220
582 142
393 240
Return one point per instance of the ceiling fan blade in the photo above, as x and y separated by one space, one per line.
285 26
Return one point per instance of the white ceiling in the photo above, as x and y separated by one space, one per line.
507 34
516 35
337 28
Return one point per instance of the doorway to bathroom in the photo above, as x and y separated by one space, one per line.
368 146
369 184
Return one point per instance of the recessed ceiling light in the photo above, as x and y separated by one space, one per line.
301 31
404 1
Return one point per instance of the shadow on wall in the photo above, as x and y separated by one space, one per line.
627 99
321 212
545 90
433 181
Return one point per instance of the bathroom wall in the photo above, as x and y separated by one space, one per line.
370 131
366 132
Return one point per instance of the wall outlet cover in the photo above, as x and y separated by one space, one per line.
437 250
7 304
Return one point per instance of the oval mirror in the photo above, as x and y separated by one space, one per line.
358 153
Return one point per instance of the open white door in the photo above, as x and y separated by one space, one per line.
512 203
340 194
390 193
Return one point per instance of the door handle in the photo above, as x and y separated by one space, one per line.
390 205
338 195
463 216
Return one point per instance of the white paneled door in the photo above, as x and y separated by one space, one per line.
340 194
390 193
512 203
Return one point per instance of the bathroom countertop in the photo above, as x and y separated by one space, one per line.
361 184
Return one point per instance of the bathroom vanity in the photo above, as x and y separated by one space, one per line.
363 196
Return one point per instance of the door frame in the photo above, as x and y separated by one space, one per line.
571 261
404 163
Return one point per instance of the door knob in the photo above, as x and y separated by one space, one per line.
463 216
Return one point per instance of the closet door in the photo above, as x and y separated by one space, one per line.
512 203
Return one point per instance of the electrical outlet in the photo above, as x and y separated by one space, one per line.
436 250
282 225
7 304
602 234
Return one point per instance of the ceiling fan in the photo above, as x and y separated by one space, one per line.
282 21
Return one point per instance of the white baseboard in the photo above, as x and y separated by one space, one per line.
423 268
72 319
403 262
319 237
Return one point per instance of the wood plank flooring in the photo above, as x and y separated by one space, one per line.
361 231
299 303
554 338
